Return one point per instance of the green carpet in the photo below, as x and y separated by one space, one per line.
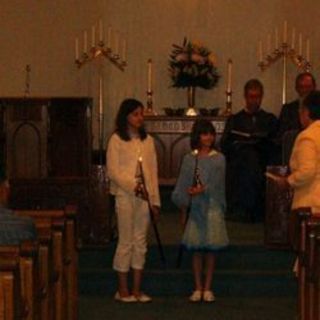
250 281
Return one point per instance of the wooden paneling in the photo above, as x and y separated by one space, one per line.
46 137
69 147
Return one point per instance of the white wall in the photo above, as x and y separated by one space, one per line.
42 32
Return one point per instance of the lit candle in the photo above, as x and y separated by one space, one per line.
149 75
285 31
77 48
229 75
276 38
124 50
109 37
308 50
93 36
260 51
300 44
85 41
100 31
293 38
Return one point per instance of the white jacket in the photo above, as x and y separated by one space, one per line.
122 160
305 168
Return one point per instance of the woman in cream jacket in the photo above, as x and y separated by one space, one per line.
305 158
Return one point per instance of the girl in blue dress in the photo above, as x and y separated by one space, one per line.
200 195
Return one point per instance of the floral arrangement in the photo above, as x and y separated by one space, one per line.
192 65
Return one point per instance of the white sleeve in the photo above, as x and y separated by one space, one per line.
116 174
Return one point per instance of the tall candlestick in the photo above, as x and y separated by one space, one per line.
300 44
229 75
77 48
293 38
285 31
101 95
269 43
116 42
100 31
124 50
308 50
93 36
109 37
149 75
85 41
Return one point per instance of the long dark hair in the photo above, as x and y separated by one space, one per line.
199 127
126 107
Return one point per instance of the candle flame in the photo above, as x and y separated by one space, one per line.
196 151
140 159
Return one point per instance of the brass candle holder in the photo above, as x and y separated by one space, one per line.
228 110
149 109
285 52
101 51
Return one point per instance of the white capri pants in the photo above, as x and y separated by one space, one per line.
133 222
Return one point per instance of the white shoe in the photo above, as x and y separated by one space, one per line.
127 299
196 296
208 296
143 298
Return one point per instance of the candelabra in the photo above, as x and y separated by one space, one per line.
99 50
285 51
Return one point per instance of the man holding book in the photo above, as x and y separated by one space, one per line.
247 143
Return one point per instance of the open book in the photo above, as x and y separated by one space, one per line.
250 135
241 133
273 176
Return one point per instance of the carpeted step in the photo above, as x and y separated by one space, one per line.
248 271
234 257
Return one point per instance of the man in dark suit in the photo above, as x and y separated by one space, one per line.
247 143
289 124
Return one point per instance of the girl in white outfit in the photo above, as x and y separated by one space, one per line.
127 145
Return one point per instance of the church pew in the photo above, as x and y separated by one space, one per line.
306 231
54 265
9 288
71 263
317 278
312 229
58 253
298 238
18 279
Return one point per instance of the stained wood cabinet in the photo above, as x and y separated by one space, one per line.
46 137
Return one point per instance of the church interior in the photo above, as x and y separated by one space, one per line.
66 67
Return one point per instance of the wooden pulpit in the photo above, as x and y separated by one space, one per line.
278 208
